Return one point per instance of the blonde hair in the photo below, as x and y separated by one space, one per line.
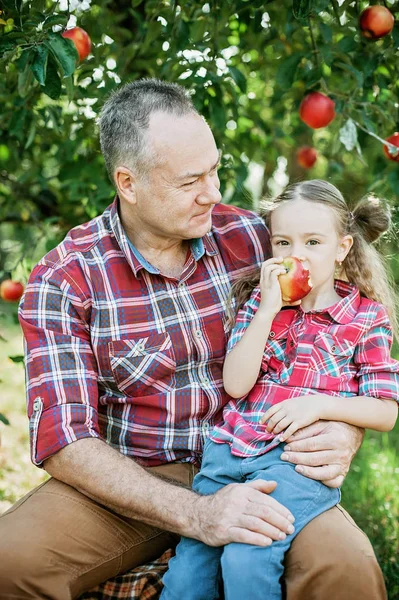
364 266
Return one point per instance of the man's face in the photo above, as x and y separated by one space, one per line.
177 199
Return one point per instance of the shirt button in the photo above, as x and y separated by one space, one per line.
272 334
37 403
333 348
198 333
181 284
291 343
205 428
205 380
140 347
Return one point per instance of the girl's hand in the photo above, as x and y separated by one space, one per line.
290 415
271 301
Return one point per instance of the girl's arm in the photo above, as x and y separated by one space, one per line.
242 364
363 411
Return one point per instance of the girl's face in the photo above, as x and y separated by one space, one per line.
308 230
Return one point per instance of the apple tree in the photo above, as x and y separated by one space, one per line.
292 89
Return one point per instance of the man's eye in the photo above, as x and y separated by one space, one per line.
189 183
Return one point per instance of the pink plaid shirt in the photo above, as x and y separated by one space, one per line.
118 351
343 350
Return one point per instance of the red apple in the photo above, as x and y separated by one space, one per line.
295 283
306 156
317 110
394 140
375 22
11 291
81 40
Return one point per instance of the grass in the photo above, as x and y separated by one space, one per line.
370 492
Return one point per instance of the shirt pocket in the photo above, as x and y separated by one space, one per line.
275 350
330 355
143 366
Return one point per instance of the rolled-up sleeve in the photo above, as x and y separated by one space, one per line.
378 372
61 370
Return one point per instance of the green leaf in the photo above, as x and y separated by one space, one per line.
9 42
25 58
154 30
31 134
326 32
52 85
321 5
197 30
286 71
348 136
39 65
395 34
4 419
64 52
70 89
301 9
18 358
25 79
52 20
356 74
239 78
347 44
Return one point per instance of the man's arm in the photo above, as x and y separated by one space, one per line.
324 450
237 513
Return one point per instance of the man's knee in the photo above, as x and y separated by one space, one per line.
24 566
332 558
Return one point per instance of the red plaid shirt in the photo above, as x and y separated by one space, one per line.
116 350
343 350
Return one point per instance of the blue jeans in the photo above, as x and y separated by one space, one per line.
247 571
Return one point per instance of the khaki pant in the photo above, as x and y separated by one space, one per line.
55 544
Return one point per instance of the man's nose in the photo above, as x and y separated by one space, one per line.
210 193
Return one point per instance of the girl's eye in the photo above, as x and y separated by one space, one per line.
282 243
313 242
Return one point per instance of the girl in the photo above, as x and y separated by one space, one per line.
286 367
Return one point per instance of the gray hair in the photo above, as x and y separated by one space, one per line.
125 118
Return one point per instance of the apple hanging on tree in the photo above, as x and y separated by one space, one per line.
306 156
376 22
295 283
317 110
394 140
81 40
11 291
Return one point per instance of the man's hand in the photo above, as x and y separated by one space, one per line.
324 450
243 513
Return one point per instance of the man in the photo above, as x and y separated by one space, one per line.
125 335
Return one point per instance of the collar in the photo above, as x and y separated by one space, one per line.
343 311
199 246
346 309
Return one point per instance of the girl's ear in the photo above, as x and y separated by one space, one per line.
344 247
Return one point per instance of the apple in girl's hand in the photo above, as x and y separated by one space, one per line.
295 282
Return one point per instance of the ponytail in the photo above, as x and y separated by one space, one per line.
364 265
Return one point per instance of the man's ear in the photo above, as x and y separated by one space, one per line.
344 247
126 184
